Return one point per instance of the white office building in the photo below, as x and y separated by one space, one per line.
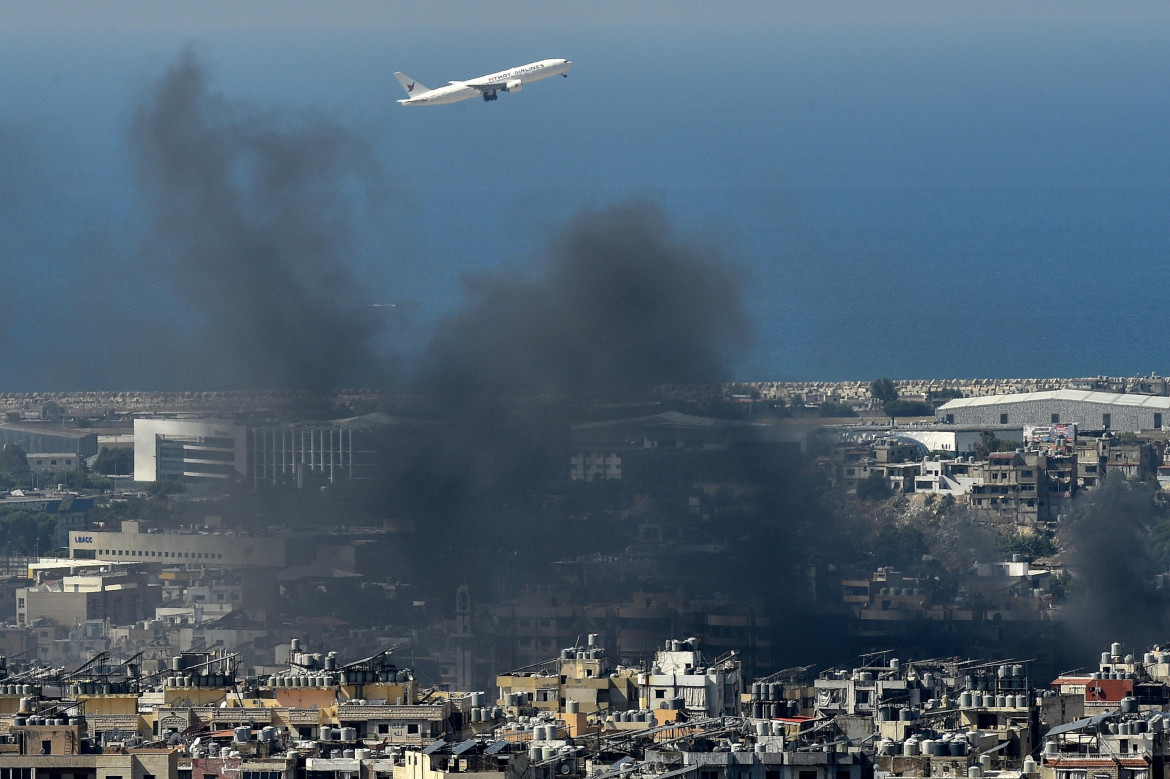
189 449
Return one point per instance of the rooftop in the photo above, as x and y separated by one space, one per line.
1067 395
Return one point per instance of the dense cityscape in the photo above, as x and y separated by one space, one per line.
357 429
810 580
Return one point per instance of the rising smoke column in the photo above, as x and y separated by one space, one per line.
254 210
622 305
1113 564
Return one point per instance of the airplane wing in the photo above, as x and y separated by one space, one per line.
482 86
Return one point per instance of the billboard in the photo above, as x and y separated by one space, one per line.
1050 435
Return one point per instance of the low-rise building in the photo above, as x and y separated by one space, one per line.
130 543
120 596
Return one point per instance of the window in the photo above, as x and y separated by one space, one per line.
1106 421
1157 420
412 727
1003 420
660 693
1056 419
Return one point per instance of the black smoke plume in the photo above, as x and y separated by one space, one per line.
254 214
623 304
1113 564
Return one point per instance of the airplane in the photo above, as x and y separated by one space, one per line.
510 80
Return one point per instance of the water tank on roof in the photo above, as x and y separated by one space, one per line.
242 733
1115 649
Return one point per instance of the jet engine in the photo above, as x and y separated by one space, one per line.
514 86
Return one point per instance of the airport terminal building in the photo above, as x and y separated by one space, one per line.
203 449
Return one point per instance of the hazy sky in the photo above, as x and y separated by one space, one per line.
914 189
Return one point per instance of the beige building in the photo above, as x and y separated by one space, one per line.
122 597
56 750
131 544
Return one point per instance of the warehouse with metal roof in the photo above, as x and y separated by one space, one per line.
1086 409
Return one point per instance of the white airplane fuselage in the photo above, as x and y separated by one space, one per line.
510 80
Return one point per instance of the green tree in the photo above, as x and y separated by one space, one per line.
14 462
1030 545
907 408
831 409
875 487
988 443
76 480
883 390
115 461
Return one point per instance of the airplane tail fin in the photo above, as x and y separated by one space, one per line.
412 87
